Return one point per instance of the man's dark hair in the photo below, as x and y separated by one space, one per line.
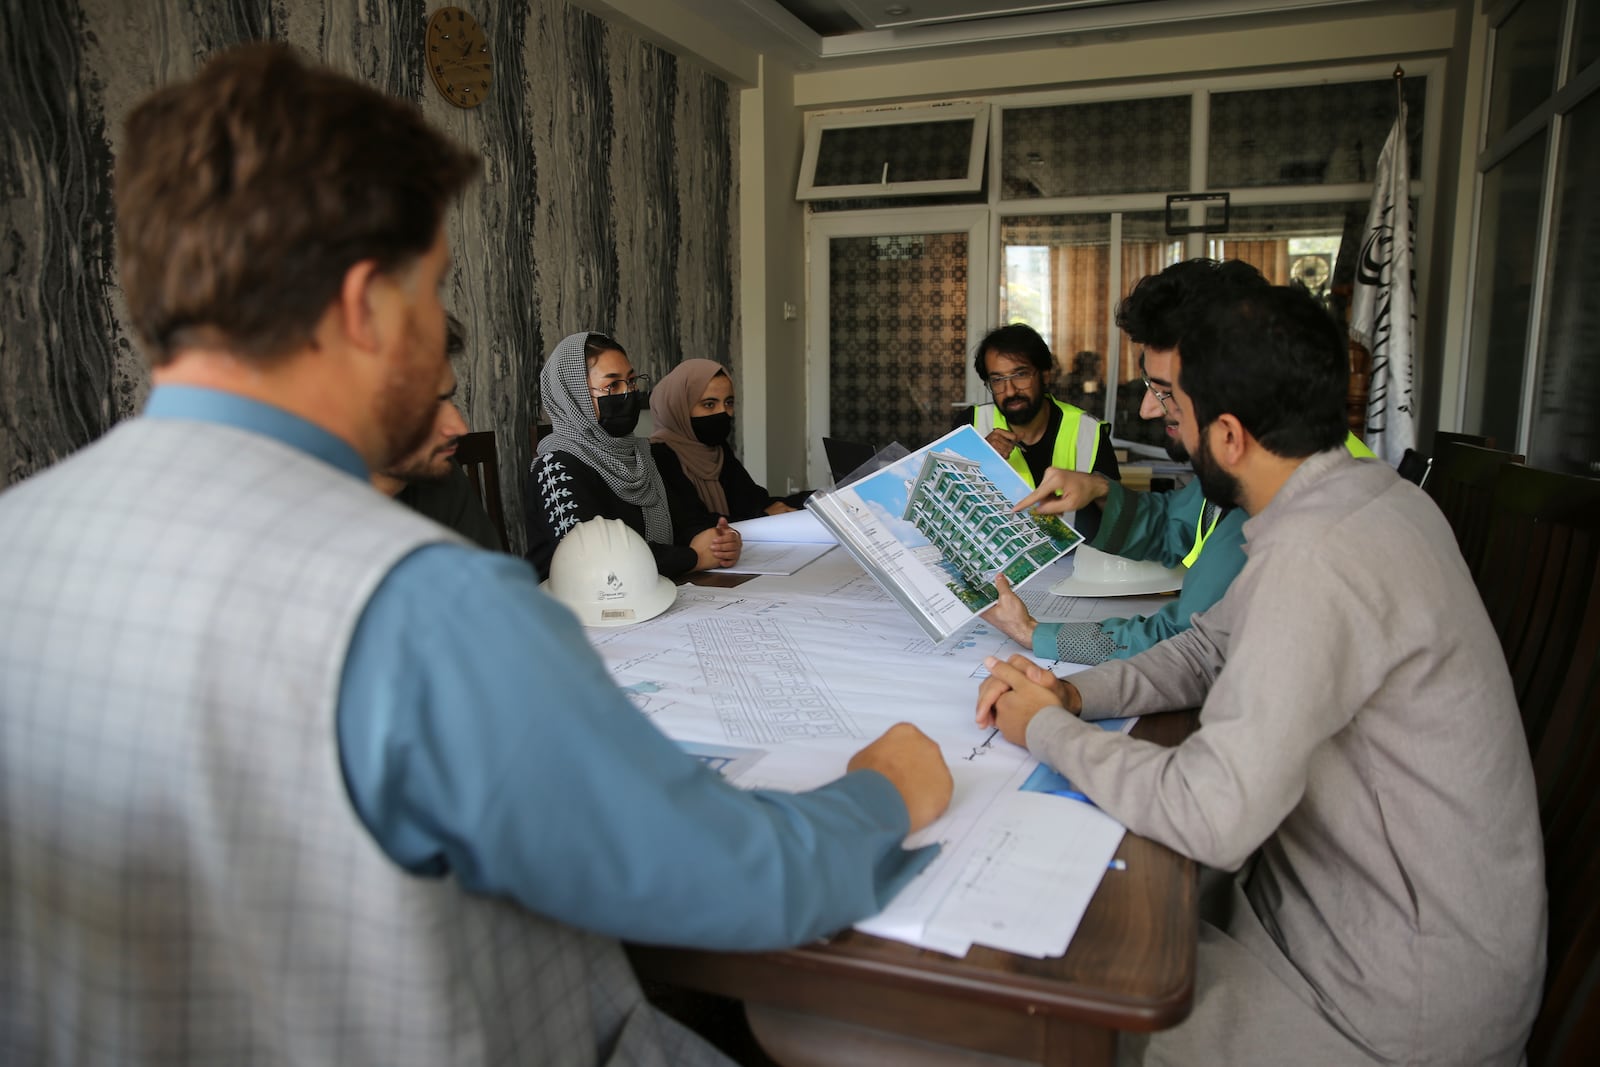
246 193
1274 359
455 336
1162 307
1018 339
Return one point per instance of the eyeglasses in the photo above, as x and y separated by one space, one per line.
1161 398
623 386
1018 381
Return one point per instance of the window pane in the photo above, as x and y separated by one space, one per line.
1308 135
1566 424
1586 37
1313 245
1056 280
1508 230
1119 146
897 342
903 152
1523 74
1146 249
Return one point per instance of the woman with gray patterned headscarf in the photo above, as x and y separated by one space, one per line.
591 466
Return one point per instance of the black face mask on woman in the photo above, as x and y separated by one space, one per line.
618 413
712 429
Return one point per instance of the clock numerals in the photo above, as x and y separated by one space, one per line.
458 57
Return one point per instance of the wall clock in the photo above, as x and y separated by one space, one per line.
458 57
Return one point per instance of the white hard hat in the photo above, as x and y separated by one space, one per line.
1096 573
604 571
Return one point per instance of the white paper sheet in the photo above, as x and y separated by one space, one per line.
790 527
773 557
784 685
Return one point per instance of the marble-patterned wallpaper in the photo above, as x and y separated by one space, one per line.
607 199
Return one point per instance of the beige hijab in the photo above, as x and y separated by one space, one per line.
672 404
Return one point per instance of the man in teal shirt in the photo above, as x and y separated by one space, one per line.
1177 527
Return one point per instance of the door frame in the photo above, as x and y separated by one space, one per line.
822 228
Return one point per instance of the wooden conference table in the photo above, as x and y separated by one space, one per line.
1131 966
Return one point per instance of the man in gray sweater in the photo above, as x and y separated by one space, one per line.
1359 754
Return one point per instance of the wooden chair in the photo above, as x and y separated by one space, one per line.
1355 400
480 458
1541 584
1461 482
1413 467
1446 437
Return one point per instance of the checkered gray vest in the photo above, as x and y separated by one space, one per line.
183 878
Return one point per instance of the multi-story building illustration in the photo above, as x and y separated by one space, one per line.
955 506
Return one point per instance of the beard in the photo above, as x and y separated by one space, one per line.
1175 450
1218 485
1019 411
409 401
427 466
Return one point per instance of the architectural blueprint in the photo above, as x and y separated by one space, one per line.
777 683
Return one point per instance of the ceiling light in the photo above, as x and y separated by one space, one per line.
896 10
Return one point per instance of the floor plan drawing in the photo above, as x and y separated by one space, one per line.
761 685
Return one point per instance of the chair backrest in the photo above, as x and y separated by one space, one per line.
1541 584
1461 482
1447 437
1355 399
1413 467
480 458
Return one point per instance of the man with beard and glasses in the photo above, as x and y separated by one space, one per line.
1359 742
426 481
1187 526
1032 429
266 795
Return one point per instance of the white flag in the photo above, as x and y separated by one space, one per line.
1383 307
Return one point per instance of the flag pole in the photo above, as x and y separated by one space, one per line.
1399 87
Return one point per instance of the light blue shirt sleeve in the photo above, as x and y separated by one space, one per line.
483 738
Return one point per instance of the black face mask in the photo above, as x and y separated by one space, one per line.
712 429
619 413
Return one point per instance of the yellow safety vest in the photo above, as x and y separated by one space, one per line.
1352 444
1079 435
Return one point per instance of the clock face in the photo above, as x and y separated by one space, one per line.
458 57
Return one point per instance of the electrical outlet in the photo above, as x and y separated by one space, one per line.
790 312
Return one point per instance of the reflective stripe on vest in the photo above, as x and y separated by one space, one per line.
1079 436
1352 444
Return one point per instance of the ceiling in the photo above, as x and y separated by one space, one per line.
831 33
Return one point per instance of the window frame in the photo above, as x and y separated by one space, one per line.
817 124
1200 89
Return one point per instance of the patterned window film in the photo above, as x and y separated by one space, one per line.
1307 135
1116 146
897 338
907 152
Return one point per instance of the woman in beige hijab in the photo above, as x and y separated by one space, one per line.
693 410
